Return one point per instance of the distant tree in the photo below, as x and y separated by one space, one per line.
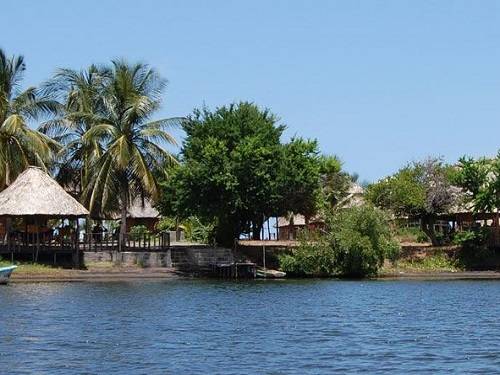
335 182
420 190
480 180
20 145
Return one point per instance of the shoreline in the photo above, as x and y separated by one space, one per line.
161 274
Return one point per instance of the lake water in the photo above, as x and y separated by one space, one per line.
263 327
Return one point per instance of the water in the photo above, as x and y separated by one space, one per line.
280 327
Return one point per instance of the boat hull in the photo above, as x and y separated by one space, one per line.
5 273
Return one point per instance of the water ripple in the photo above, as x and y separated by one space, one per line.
291 327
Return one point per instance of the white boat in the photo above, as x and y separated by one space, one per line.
269 274
5 273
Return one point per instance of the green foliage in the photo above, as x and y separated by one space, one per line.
166 224
196 231
20 145
420 190
335 182
356 242
235 171
229 174
411 234
138 232
111 146
438 262
480 180
471 238
299 177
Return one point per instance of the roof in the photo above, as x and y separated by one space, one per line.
139 209
354 198
35 193
142 209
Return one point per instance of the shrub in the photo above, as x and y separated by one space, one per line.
356 242
196 231
471 238
411 234
166 224
138 232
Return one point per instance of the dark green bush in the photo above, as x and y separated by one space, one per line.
356 242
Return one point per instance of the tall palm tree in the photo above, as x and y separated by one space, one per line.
82 95
20 145
133 153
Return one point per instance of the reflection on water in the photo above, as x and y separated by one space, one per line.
283 327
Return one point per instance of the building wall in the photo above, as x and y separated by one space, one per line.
185 258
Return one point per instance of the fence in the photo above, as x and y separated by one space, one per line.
35 243
131 242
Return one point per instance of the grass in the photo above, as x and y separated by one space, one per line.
28 268
439 262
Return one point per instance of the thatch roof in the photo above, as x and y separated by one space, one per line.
35 193
142 209
354 198
139 209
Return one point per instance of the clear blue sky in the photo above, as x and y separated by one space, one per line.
378 83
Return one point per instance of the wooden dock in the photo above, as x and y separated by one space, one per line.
234 270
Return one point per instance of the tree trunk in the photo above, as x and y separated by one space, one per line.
427 226
123 218
256 229
177 230
290 228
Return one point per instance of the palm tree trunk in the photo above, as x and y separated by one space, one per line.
123 217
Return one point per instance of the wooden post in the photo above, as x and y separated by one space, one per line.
76 255
264 256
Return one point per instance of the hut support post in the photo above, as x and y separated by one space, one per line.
76 255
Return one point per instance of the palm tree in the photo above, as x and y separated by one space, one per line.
132 155
20 145
81 92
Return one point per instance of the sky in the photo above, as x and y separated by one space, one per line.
378 83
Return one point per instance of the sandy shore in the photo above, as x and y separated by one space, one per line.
96 275
460 275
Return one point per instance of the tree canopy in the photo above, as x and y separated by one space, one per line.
21 145
420 190
236 172
480 180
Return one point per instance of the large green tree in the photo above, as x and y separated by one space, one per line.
20 145
133 152
230 166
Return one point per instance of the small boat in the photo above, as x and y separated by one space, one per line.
5 273
269 274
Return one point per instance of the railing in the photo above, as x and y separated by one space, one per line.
47 242
130 242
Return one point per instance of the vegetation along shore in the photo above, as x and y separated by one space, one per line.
234 191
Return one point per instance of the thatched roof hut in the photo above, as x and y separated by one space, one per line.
35 193
138 209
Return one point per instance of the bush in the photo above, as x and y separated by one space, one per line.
411 234
196 231
471 238
166 224
356 242
138 232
